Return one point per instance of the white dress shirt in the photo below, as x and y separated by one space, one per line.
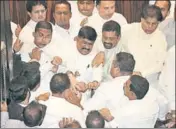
96 22
135 114
60 108
83 64
149 50
77 17
69 34
167 78
107 95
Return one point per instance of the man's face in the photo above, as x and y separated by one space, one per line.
42 37
38 13
110 39
86 7
62 15
149 25
84 46
114 68
127 92
106 9
164 6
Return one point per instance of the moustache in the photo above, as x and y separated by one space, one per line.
107 43
86 49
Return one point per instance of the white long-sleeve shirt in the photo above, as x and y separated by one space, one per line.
167 78
60 108
83 64
107 95
135 114
149 50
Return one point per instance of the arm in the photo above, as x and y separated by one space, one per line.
4 114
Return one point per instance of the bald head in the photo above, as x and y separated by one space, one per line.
95 120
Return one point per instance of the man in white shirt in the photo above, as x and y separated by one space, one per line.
37 12
106 12
167 79
82 10
135 113
57 105
62 14
167 26
41 48
109 93
146 43
81 62
111 35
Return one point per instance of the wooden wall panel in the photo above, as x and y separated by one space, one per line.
129 8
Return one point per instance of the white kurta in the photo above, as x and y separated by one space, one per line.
97 22
149 50
167 78
107 95
60 108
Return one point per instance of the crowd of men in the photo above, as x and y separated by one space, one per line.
90 68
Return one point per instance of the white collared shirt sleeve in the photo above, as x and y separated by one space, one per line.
98 100
4 119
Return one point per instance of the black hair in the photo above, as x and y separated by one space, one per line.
169 3
34 114
32 74
62 2
125 61
95 120
151 11
112 26
31 3
43 25
99 1
139 86
18 89
59 83
87 32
